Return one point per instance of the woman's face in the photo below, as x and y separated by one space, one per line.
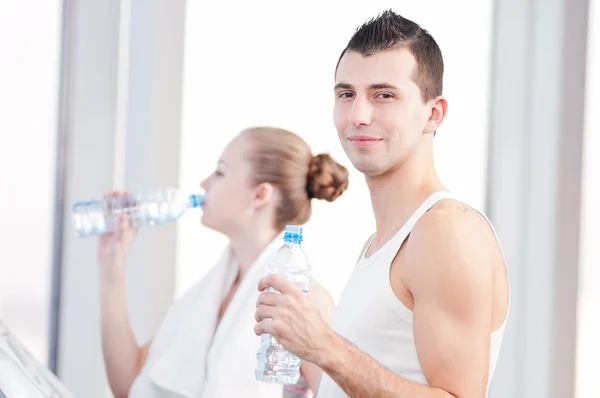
229 191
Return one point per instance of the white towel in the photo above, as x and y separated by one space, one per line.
189 358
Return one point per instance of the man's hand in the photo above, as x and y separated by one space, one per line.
290 318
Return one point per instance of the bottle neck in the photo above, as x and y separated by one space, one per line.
293 241
293 235
195 201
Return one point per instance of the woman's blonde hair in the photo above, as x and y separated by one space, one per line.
284 160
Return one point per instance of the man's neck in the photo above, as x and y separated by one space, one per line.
396 194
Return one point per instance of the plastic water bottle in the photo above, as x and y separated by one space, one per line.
274 363
96 217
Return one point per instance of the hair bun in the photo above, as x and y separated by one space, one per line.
327 179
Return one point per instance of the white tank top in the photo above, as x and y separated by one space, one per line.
386 334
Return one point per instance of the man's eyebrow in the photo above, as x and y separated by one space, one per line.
343 86
383 86
376 86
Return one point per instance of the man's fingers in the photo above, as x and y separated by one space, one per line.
278 283
268 326
269 298
266 312
263 327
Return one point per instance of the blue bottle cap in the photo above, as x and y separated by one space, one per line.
196 200
293 233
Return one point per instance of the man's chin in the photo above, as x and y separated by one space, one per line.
369 169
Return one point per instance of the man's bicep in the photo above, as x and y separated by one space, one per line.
452 323
453 348
447 268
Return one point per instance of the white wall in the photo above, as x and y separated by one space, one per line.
535 166
29 74
272 62
588 321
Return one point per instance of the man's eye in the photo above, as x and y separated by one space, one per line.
346 94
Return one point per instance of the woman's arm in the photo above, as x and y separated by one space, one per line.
123 357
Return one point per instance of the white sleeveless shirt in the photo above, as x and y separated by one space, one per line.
387 333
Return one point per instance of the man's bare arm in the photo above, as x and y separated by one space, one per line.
360 376
451 281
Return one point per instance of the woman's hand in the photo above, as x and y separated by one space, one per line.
113 247
123 357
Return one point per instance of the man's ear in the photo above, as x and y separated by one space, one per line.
439 110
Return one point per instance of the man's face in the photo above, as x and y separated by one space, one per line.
379 112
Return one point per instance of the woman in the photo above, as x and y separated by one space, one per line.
206 347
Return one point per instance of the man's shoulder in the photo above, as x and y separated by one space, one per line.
451 223
450 238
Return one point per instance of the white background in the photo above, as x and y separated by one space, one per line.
29 76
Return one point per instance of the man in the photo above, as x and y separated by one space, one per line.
424 311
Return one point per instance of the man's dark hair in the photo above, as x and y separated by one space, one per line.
392 31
